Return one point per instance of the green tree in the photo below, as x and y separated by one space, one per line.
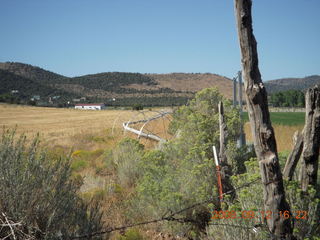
290 98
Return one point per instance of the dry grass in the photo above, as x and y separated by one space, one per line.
89 134
283 134
78 129
67 128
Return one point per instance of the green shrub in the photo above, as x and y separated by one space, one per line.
137 107
131 234
182 171
304 204
125 158
81 159
38 191
238 156
78 165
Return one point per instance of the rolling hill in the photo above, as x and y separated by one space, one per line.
285 84
174 88
31 72
127 88
26 87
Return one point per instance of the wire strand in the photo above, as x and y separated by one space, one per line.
170 217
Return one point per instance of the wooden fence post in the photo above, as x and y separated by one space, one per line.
263 134
311 138
225 168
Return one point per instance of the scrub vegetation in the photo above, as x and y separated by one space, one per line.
104 180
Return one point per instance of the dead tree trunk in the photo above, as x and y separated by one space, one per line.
226 171
263 134
311 138
294 157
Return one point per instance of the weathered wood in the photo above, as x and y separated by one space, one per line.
311 138
294 157
263 133
225 169
223 133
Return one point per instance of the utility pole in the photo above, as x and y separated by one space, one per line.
234 92
240 92
242 138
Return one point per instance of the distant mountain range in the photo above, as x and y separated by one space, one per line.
126 88
285 84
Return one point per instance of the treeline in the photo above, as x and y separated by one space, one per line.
290 98
17 89
110 81
149 101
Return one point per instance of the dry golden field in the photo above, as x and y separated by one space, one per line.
56 126
68 128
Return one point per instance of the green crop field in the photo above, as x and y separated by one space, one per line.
284 118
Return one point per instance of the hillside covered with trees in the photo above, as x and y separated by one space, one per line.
126 88
131 88
17 89
286 84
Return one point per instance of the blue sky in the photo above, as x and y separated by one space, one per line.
77 37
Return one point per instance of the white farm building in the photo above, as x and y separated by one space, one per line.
90 106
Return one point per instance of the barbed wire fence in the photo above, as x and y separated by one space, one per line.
172 216
144 118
